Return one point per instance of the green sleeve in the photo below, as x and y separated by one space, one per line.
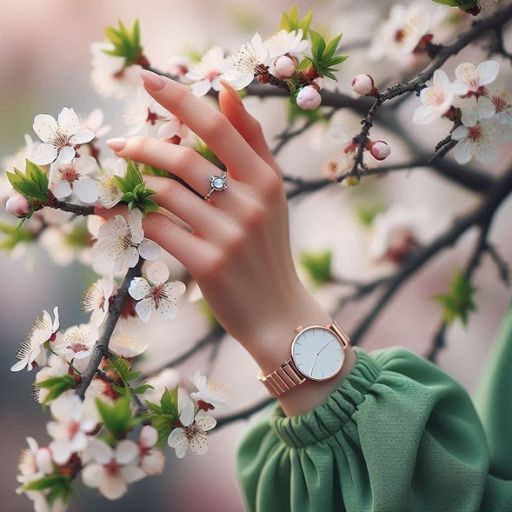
398 434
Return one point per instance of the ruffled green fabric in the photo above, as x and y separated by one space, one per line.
398 434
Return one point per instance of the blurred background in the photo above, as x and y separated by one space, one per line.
45 65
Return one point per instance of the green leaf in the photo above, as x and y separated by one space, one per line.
169 402
47 482
318 266
135 193
139 390
33 184
164 417
126 42
290 21
124 368
458 303
323 55
14 234
56 386
118 419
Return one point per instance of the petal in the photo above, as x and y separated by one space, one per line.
93 475
485 108
126 452
135 224
463 152
169 129
178 440
45 127
487 71
66 154
44 154
460 133
139 288
187 412
145 308
62 189
175 289
69 123
82 137
157 273
20 365
204 421
148 436
132 474
149 250
153 463
441 79
460 88
99 450
61 451
167 308
199 443
130 258
201 88
86 190
56 322
425 115
85 165
113 487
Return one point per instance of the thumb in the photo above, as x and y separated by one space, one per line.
249 128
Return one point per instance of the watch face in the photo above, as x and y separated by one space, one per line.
317 352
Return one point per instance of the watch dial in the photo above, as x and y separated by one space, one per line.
318 353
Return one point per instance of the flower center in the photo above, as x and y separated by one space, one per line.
474 133
68 173
60 140
152 117
211 75
158 294
500 103
190 431
77 347
112 467
434 96
73 429
399 35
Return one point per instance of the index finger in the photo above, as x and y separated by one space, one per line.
209 124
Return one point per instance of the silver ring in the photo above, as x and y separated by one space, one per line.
218 183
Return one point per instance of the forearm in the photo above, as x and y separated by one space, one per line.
273 348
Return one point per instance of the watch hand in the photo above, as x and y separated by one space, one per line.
327 344
312 366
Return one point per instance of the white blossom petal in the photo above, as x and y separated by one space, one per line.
139 288
93 475
68 121
149 250
86 190
157 273
99 450
112 486
45 127
132 474
145 308
66 154
463 152
126 452
153 463
178 440
44 154
148 436
487 71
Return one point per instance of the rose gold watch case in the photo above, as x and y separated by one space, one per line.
333 328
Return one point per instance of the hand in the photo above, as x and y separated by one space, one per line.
238 247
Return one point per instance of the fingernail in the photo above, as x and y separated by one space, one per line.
227 86
152 81
117 144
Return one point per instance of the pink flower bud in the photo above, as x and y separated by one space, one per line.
17 205
363 85
379 149
285 66
309 98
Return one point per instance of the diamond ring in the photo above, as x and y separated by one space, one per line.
217 184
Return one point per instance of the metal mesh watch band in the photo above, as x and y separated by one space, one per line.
288 376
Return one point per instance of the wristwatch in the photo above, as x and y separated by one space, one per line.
317 354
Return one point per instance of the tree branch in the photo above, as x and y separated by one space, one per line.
101 346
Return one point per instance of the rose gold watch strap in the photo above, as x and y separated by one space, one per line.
286 377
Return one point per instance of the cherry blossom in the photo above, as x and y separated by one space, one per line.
151 461
208 73
56 366
109 193
401 33
73 177
63 243
309 98
111 470
395 233
193 433
17 205
42 330
251 60
379 149
155 292
167 378
18 160
285 49
209 395
125 345
472 80
94 122
120 243
59 137
436 99
109 75
96 299
501 100
76 344
69 431
477 136
363 85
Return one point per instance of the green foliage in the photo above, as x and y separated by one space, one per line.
318 266
58 487
56 386
470 6
458 303
13 235
134 190
126 42
324 56
118 419
295 112
149 170
207 311
78 237
164 417
290 21
366 213
33 184
123 368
